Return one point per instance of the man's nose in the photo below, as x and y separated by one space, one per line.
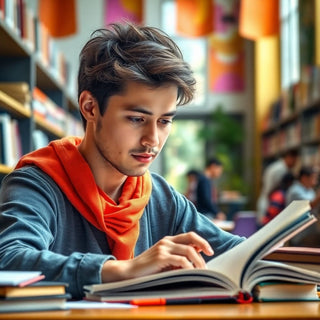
150 136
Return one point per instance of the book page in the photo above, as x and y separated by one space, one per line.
277 271
235 261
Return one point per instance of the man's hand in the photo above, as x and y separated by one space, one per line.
172 252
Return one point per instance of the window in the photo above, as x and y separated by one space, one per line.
290 58
183 151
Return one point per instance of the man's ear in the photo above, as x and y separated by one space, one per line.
88 105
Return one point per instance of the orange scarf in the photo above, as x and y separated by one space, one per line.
62 161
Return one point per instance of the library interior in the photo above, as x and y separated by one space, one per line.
246 146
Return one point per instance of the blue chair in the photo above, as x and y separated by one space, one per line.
245 223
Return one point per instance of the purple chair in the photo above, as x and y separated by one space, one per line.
245 223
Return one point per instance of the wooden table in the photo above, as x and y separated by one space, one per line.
279 310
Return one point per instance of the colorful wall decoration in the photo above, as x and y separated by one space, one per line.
194 17
226 50
117 10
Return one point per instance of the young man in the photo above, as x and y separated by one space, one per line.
88 210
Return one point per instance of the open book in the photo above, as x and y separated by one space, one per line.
231 275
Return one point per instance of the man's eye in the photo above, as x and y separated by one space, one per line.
135 119
165 121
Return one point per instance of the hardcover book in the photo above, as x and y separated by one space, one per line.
295 254
37 289
45 303
285 291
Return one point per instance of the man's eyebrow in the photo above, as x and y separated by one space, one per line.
146 111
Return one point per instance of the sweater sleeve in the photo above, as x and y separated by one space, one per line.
34 221
171 213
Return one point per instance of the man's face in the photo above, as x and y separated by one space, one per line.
313 180
135 127
216 171
309 181
291 160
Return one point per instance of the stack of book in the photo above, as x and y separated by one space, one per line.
302 257
27 291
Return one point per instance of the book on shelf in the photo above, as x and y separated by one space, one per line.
310 155
48 111
28 28
11 145
231 275
285 291
49 55
9 14
6 140
2 8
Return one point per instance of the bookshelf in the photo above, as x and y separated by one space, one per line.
29 57
293 122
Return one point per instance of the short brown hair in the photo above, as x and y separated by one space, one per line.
127 52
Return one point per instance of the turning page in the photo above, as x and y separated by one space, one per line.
238 261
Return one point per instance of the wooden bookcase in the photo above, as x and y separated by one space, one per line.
297 129
20 62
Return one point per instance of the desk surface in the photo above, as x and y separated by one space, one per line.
287 310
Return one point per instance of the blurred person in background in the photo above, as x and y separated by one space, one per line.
306 188
192 183
271 177
277 197
207 192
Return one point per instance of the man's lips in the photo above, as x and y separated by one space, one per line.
144 157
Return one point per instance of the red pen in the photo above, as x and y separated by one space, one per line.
149 302
173 301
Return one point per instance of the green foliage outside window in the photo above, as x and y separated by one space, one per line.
223 135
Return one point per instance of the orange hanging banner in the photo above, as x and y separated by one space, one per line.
259 18
194 17
59 16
